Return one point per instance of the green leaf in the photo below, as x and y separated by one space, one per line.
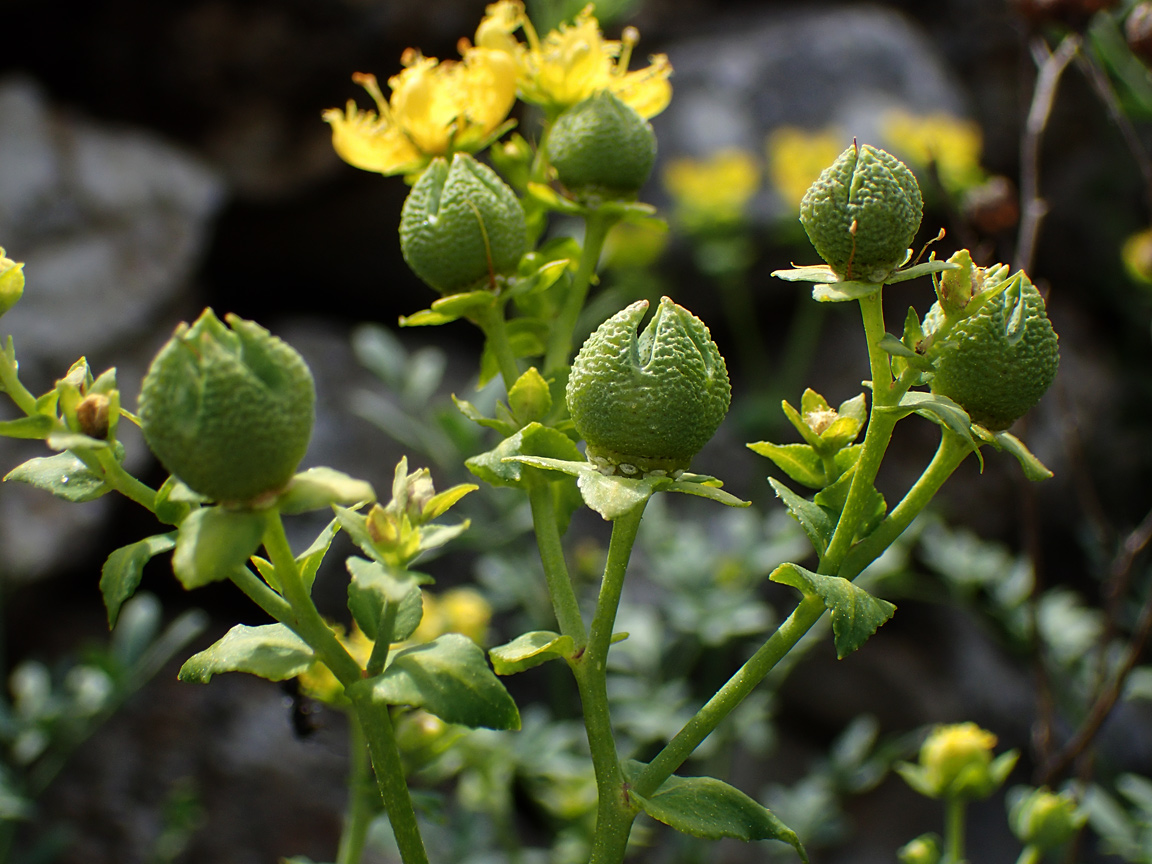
174 501
498 468
528 650
1034 469
856 614
64 475
121 573
816 273
270 651
798 461
541 280
312 557
373 585
34 426
817 522
477 416
709 808
212 543
839 292
320 488
942 411
448 309
918 270
448 677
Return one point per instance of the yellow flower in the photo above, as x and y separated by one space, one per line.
575 61
436 108
948 143
796 158
715 190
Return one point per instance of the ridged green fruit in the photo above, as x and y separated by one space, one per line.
602 147
228 411
649 403
862 213
461 225
997 362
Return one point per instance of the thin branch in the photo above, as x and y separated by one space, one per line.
1033 208
1133 544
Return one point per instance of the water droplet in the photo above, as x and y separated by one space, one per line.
64 480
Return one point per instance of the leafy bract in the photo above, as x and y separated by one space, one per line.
709 808
270 651
528 650
123 569
856 614
213 542
448 677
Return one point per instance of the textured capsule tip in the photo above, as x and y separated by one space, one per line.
228 409
862 213
998 362
647 403
461 225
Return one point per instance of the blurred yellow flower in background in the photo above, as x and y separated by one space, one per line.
713 191
1136 254
796 158
574 61
457 610
319 683
948 143
436 108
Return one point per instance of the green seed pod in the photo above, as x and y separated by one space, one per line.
461 225
862 213
228 411
648 404
602 147
1001 358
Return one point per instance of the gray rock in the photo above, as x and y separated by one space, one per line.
827 68
110 224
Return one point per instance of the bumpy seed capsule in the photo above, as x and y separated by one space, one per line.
602 147
862 213
997 362
648 403
461 225
228 411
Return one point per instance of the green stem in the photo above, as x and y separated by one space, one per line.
263 596
949 454
564 602
123 482
10 383
881 423
614 812
598 223
305 619
954 831
376 723
385 630
362 797
491 321
674 754
1030 855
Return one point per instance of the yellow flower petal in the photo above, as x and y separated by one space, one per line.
646 91
366 141
796 158
713 190
500 21
948 143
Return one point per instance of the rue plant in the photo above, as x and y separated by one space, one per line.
227 408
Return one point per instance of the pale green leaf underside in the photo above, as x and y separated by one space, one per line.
856 614
270 651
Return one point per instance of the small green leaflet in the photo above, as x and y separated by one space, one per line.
709 808
124 568
528 650
63 475
270 651
856 614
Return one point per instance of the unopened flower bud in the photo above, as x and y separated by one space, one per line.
925 849
461 226
11 282
228 410
1045 819
1001 356
862 213
650 402
92 415
956 763
602 147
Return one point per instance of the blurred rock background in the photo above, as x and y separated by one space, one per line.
159 157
